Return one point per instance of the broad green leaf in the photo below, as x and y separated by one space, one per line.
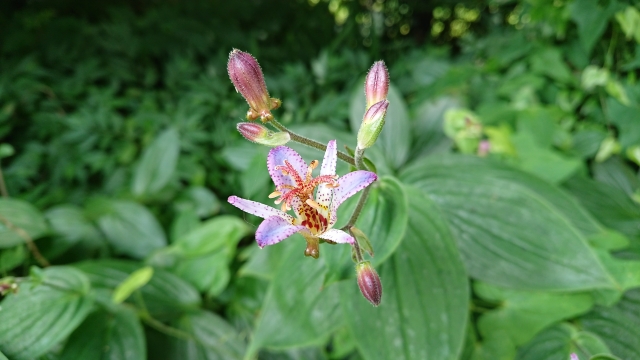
198 199
618 325
423 314
17 219
157 165
203 255
12 257
263 263
615 172
592 17
611 206
428 124
298 310
559 342
71 226
208 337
507 229
548 61
133 282
109 336
2 357
164 294
395 138
131 228
604 357
547 164
627 119
40 316
522 314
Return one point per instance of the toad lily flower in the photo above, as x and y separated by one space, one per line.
315 201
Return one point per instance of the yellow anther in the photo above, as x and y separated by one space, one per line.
274 194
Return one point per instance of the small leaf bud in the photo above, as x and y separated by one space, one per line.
372 124
369 282
376 85
246 76
261 135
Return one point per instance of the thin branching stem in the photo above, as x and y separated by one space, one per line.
311 143
27 239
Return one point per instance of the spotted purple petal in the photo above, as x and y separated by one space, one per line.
351 184
275 229
258 209
276 157
337 236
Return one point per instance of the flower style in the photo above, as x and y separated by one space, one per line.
315 214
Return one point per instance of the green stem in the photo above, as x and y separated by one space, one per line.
3 187
358 209
356 246
359 159
27 239
311 143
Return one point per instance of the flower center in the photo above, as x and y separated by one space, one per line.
303 189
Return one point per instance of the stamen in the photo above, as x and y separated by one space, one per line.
313 204
274 194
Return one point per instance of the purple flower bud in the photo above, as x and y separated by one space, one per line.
372 124
376 85
246 75
369 282
574 356
261 135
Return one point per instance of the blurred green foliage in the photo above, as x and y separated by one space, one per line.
506 224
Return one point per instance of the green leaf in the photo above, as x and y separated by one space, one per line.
131 228
592 19
39 317
559 341
6 150
618 325
133 282
394 139
611 206
548 61
12 257
2 357
615 172
604 357
209 338
298 311
508 224
203 255
428 124
627 119
164 294
19 217
522 314
71 226
424 309
105 335
157 165
198 199
547 164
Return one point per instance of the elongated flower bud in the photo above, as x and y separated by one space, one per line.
369 282
376 85
372 124
261 135
246 75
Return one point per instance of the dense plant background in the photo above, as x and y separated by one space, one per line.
506 223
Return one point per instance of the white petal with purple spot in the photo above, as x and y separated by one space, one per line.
337 236
351 184
275 229
276 157
330 158
258 209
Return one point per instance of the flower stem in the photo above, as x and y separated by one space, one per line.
27 239
312 143
357 248
359 159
